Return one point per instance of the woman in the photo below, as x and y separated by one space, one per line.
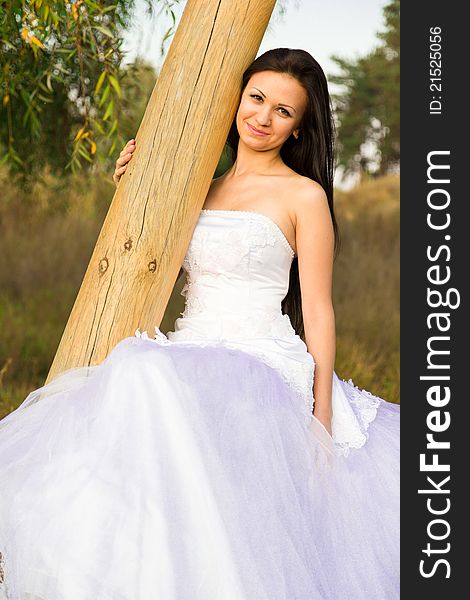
210 463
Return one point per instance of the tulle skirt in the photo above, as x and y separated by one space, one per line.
180 472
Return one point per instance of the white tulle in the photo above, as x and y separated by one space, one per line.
189 466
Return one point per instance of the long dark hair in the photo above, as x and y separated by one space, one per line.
311 155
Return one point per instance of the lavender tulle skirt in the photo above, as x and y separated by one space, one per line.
178 472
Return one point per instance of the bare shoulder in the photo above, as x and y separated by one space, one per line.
314 231
309 192
308 200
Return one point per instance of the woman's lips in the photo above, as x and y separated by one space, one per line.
256 131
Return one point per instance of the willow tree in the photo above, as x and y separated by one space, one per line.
60 92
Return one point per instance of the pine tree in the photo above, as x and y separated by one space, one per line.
368 108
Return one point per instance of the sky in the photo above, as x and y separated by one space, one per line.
343 27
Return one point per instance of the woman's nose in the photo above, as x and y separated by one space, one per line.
263 116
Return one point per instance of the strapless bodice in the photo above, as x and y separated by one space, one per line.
237 261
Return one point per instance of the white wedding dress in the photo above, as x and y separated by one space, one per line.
190 467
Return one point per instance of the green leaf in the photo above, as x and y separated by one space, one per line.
25 96
72 163
104 30
45 99
109 110
99 83
55 18
113 129
17 159
115 84
8 45
94 5
43 87
61 69
84 153
104 96
108 8
113 146
99 127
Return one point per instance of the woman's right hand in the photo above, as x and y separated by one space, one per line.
124 158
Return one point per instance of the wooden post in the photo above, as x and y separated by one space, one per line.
149 224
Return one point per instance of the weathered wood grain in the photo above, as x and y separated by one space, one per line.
150 221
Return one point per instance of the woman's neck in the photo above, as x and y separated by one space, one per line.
254 162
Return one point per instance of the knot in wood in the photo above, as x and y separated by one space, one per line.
103 265
128 244
152 266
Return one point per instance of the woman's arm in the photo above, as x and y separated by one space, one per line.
315 247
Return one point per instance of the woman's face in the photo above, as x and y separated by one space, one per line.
271 109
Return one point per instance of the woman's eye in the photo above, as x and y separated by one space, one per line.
283 110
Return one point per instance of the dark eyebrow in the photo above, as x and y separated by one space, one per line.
280 103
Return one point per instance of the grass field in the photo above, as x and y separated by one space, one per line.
367 287
47 235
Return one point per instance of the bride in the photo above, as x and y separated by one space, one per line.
226 459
